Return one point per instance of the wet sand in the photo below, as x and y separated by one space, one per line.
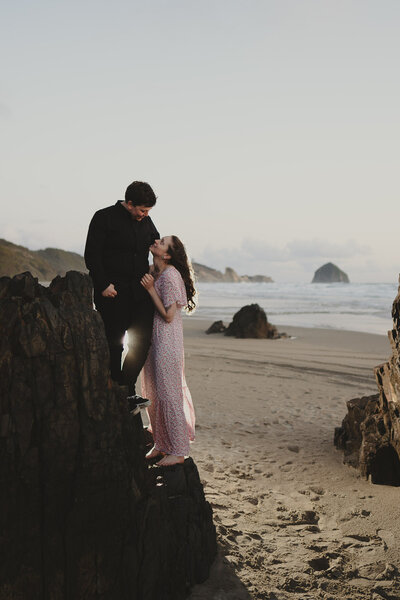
292 520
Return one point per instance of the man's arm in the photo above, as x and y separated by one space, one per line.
94 250
154 233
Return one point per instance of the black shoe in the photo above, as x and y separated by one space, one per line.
136 403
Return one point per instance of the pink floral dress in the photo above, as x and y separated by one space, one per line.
171 413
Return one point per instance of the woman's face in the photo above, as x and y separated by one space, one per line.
160 247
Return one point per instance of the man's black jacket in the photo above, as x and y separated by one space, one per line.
117 249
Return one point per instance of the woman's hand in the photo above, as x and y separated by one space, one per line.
147 281
109 292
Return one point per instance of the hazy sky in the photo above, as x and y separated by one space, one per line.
269 129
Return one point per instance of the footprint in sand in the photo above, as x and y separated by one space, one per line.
293 448
226 443
388 537
208 467
252 500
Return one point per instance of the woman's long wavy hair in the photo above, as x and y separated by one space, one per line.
181 262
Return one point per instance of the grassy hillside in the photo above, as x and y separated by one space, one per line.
43 264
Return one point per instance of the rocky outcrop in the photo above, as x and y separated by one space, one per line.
206 274
82 515
330 273
209 275
231 276
216 327
251 322
370 432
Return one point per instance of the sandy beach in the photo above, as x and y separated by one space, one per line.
293 521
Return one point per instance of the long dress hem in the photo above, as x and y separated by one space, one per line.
171 413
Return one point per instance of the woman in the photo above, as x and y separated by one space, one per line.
171 414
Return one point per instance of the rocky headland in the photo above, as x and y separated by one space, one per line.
82 515
209 275
43 264
330 273
50 262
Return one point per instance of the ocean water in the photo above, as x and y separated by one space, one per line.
354 307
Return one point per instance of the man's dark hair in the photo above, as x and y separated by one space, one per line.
140 193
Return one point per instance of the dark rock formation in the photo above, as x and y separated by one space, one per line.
251 322
330 273
82 515
216 327
370 432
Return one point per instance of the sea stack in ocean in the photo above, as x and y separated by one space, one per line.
83 516
370 432
330 273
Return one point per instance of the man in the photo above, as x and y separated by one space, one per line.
116 254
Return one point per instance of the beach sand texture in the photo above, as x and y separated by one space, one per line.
292 520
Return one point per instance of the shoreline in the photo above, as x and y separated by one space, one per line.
266 412
197 325
283 327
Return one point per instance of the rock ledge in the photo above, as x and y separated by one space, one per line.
82 515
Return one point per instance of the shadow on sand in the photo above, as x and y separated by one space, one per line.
223 583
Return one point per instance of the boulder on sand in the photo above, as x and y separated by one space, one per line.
251 322
216 327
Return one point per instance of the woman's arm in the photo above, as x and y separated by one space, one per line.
167 314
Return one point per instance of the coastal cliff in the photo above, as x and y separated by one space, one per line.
209 275
43 264
82 514
50 262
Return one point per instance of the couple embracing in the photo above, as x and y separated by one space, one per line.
146 304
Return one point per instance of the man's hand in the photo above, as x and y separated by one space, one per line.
147 281
109 292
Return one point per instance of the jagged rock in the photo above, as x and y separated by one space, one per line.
370 432
231 276
330 273
251 322
348 437
216 327
206 274
82 515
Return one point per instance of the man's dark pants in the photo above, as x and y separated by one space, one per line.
125 314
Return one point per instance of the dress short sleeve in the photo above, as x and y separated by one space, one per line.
172 288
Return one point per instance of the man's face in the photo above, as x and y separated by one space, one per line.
138 212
